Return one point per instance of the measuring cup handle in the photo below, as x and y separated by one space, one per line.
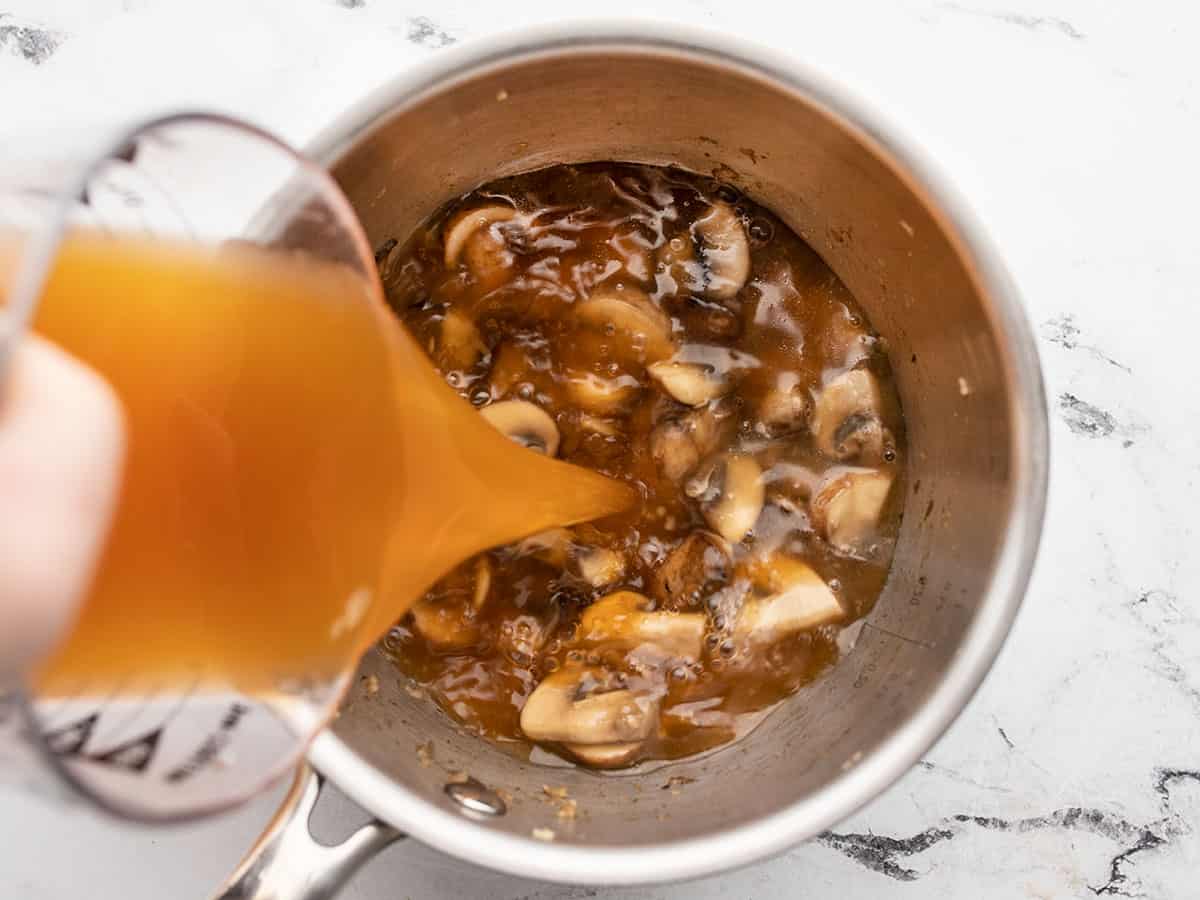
287 862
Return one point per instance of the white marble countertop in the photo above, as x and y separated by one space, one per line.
1073 129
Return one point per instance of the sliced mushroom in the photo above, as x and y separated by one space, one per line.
623 620
510 366
526 423
731 494
476 235
552 546
679 269
483 582
677 444
784 407
466 225
444 623
644 329
847 505
605 756
602 396
790 485
699 565
445 616
597 425
570 706
709 320
597 566
846 421
461 345
522 636
797 599
631 244
674 449
693 384
845 339
725 250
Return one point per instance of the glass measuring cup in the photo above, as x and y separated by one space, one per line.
198 741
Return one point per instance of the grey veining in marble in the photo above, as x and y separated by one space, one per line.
32 42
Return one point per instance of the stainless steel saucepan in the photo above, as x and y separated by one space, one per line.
969 381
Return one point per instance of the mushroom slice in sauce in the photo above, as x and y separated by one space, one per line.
510 366
679 271
643 328
570 707
602 396
846 340
595 566
701 563
725 250
551 546
599 425
731 492
522 636
677 444
483 582
461 345
444 624
784 407
469 224
605 756
445 616
623 620
525 423
847 418
693 384
847 505
799 599
631 245
674 448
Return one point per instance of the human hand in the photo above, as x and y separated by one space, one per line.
61 448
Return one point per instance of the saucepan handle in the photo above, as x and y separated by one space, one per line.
287 862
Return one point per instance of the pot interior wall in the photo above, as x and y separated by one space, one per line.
832 185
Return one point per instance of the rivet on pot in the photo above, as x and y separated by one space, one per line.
476 797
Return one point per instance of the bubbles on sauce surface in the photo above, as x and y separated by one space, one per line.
683 339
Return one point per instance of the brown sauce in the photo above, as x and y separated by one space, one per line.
685 341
